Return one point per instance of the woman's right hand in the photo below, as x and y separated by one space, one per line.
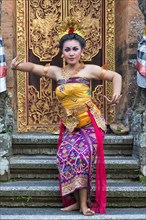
15 63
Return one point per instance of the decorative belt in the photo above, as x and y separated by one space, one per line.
70 116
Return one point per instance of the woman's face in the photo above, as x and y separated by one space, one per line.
72 51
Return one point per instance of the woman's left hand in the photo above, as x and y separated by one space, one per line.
115 99
15 63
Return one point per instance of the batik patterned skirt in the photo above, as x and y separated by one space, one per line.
75 158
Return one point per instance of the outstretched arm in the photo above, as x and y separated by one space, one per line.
98 72
47 71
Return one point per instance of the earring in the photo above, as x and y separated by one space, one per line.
62 56
82 55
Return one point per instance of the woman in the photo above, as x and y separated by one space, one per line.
82 127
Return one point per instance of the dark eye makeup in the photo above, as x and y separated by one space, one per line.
75 48
67 49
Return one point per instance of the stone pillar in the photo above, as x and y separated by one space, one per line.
6 129
5 152
142 142
137 120
2 111
7 9
142 136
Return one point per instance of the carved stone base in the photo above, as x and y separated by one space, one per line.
138 129
143 153
5 153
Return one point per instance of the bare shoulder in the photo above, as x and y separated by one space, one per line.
53 72
92 67
93 71
97 72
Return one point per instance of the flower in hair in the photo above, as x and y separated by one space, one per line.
71 31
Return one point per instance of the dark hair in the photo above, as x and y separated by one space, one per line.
73 36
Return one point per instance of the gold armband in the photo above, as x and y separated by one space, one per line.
103 71
46 70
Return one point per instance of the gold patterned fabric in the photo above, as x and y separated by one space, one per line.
76 100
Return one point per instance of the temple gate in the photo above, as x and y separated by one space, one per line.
37 41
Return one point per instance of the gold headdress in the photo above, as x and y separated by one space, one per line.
71 25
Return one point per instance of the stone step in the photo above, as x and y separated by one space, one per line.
56 214
44 167
43 143
46 194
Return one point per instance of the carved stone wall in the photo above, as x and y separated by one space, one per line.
6 129
137 121
129 29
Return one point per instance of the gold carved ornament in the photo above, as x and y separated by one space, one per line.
110 52
90 13
44 19
21 77
36 114
42 8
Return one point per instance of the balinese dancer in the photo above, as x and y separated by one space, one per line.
82 126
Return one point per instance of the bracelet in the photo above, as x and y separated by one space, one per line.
17 66
46 70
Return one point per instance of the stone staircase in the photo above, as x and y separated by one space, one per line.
33 192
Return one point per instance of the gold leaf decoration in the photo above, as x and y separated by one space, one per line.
90 13
44 19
